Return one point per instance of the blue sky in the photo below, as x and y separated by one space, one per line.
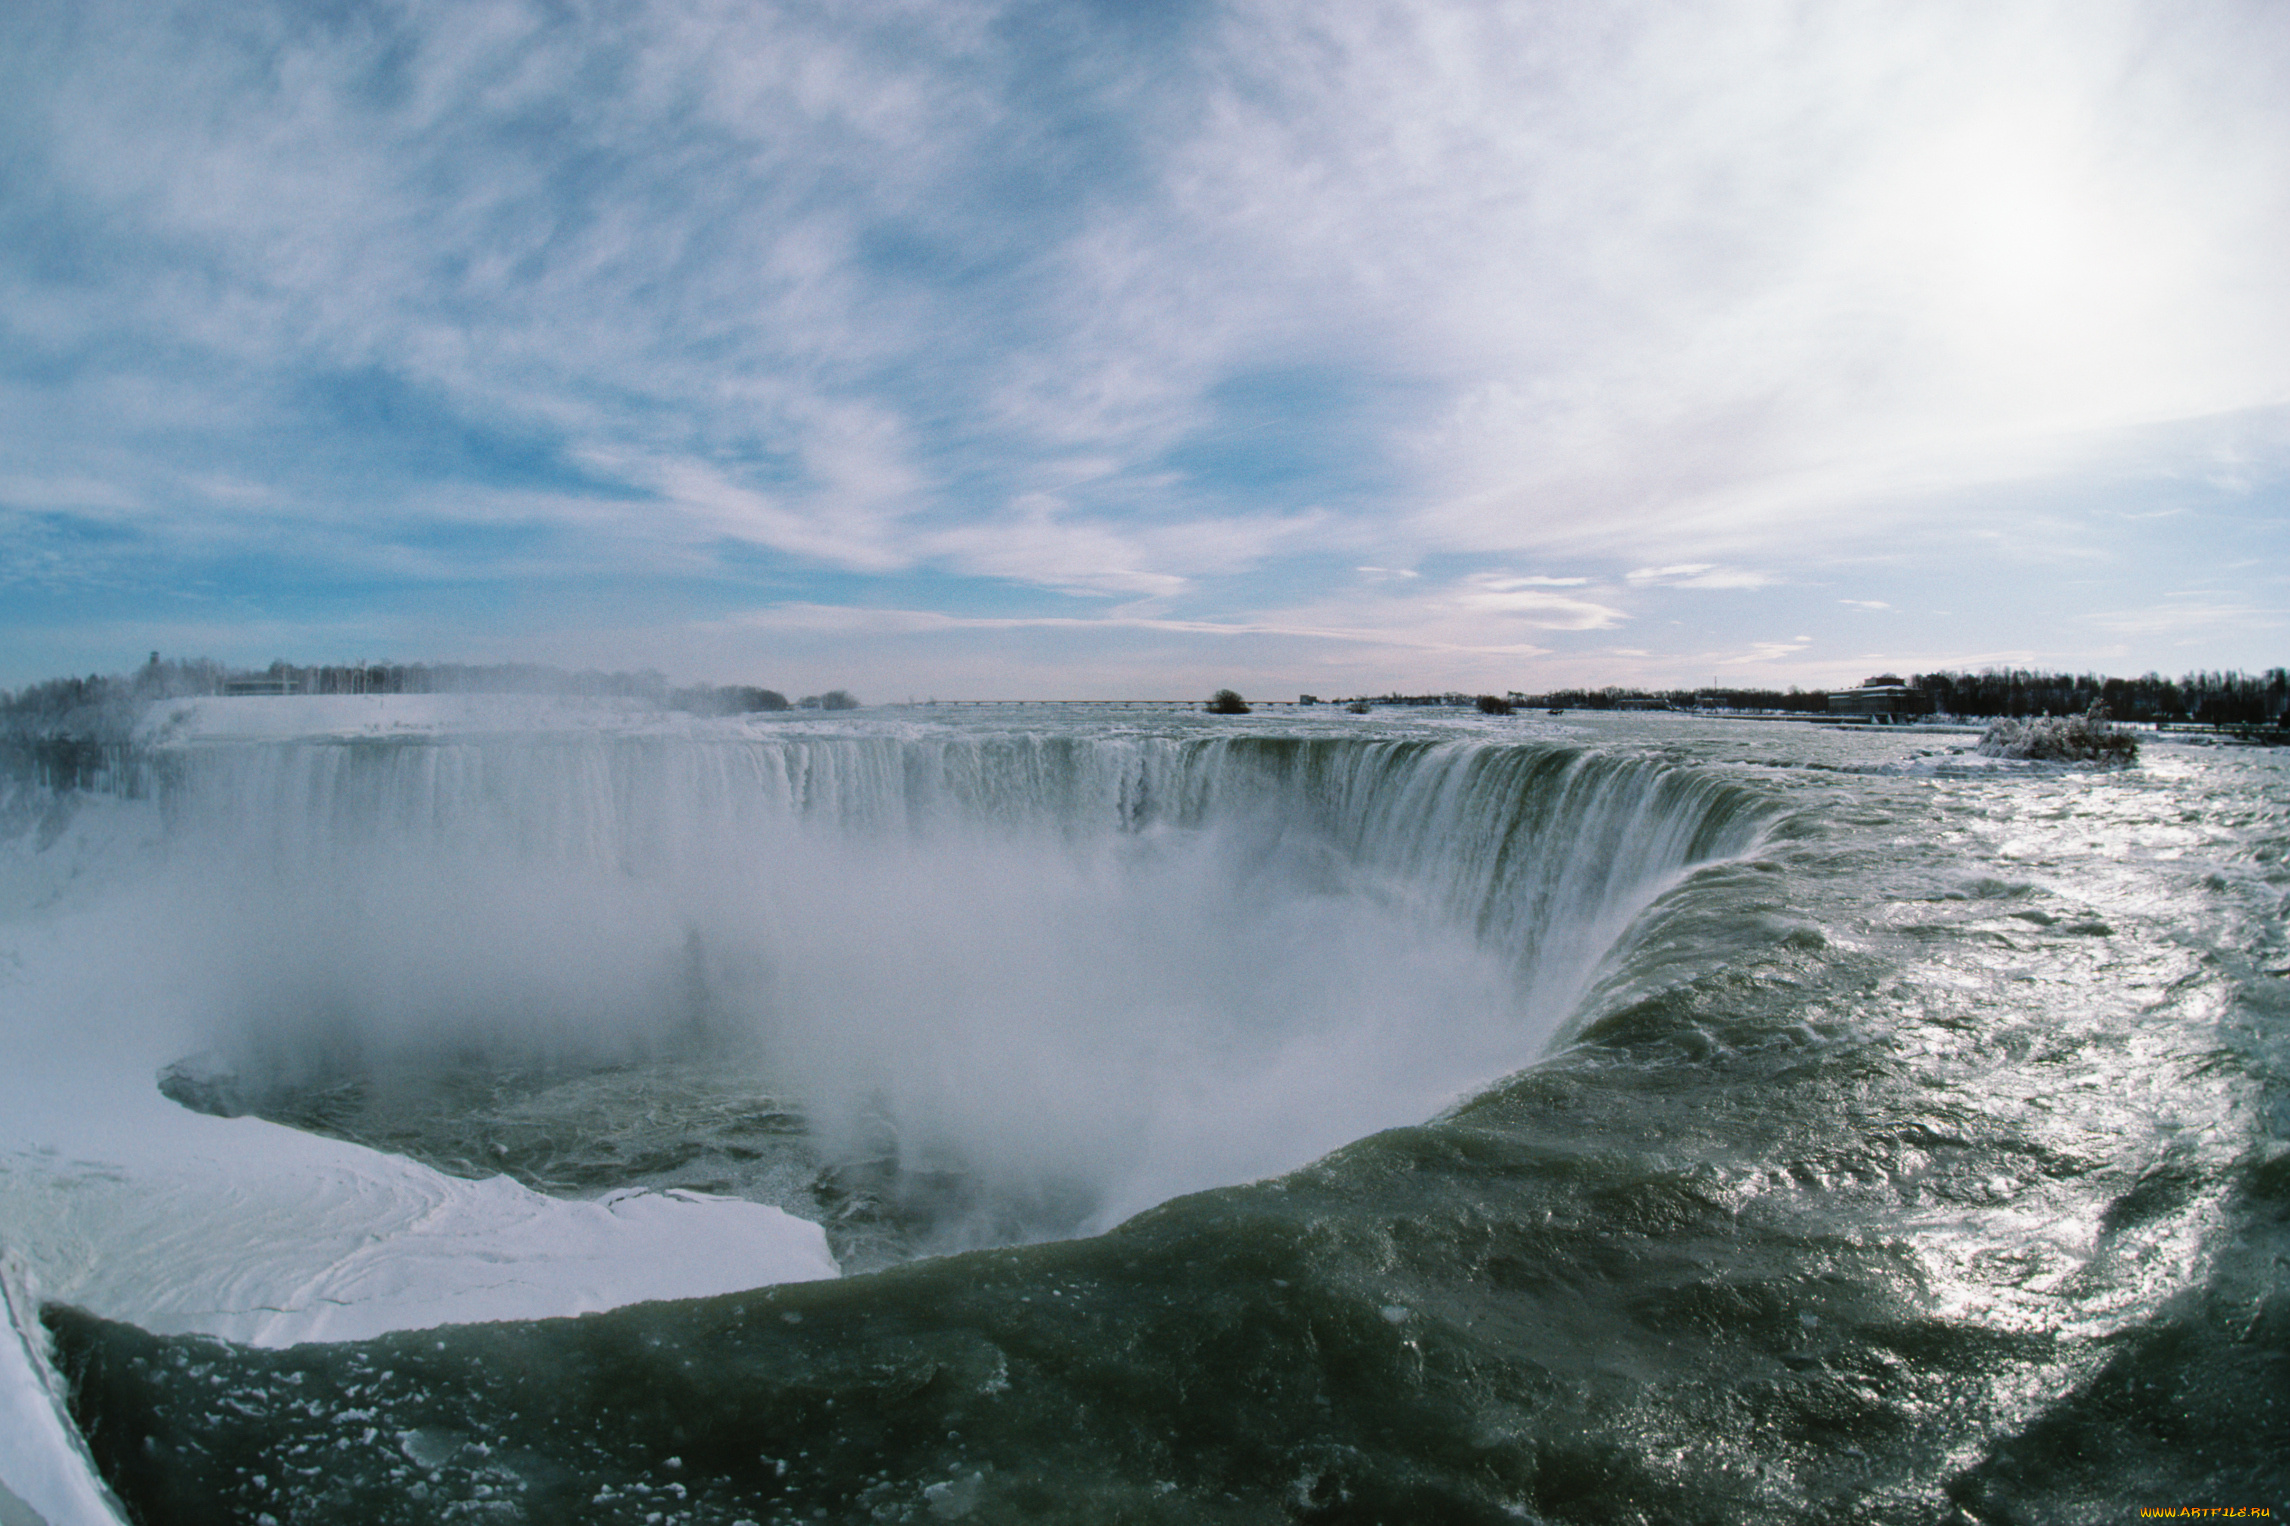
1103 350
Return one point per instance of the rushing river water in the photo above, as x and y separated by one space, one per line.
1310 1117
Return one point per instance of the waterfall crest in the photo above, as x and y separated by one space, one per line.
1077 973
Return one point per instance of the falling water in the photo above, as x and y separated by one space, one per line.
1062 977
1293 1118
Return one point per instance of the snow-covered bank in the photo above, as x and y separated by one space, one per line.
121 1203
118 1201
132 1207
247 1231
255 1233
347 717
46 1475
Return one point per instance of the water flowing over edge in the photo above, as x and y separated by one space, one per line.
1811 1190
324 870
1063 905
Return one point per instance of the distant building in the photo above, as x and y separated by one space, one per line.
1882 704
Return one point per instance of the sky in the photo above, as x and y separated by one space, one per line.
1128 350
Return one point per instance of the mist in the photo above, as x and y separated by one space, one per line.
1043 987
1074 1026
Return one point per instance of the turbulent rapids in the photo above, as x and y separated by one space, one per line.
1313 1118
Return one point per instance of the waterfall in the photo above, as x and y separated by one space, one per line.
1087 969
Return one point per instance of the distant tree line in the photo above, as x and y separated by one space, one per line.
72 733
1792 700
743 699
2218 698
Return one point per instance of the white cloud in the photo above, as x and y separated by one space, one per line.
1853 234
1179 314
1696 575
36 492
2192 614
1519 599
845 619
1040 540
1764 652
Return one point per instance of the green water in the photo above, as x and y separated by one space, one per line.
1929 1163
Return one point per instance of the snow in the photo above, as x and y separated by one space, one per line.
218 720
46 1475
134 1208
356 717
255 1233
118 1201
